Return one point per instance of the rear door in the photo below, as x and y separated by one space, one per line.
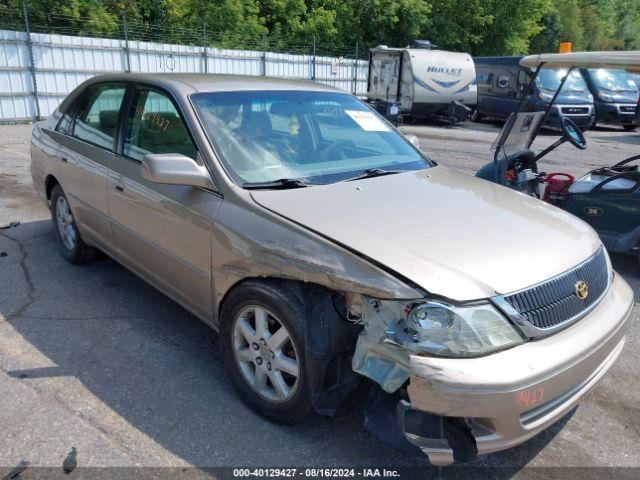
484 78
503 90
87 145
163 232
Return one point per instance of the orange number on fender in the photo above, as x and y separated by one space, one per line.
529 398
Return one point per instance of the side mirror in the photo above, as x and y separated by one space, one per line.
413 140
175 169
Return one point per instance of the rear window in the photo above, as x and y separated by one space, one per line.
97 119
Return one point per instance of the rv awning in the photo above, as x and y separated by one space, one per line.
629 61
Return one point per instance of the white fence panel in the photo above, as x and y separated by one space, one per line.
62 62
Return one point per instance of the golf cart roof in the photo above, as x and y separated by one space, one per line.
629 61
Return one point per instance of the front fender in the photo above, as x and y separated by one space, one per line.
250 242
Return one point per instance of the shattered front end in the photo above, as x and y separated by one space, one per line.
463 380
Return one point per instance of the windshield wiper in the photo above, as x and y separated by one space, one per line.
373 172
281 183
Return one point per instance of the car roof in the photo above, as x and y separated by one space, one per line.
213 82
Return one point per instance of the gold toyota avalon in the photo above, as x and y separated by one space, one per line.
324 247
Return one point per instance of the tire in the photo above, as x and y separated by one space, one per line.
629 127
70 242
247 358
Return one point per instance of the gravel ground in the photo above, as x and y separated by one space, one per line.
92 357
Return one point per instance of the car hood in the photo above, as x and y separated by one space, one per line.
452 234
622 97
573 98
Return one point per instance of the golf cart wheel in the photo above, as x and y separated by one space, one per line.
71 244
262 346
629 127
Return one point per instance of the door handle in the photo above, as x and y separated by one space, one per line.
64 159
119 188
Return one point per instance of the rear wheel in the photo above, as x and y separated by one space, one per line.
629 127
262 345
71 244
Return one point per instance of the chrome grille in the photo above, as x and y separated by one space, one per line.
575 110
554 302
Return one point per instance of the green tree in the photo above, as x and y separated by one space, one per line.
227 22
627 26
450 29
481 27
487 27
515 23
546 41
72 17
374 22
571 29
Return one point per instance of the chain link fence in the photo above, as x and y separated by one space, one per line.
44 57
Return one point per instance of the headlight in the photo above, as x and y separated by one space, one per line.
444 330
545 97
604 97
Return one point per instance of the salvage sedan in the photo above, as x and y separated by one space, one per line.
324 247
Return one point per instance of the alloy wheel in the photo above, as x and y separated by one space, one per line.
266 354
66 227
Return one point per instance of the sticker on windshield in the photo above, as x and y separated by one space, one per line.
367 121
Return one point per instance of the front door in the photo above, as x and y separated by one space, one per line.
162 231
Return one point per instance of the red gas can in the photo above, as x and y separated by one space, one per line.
557 187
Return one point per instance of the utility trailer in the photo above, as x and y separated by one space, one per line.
421 81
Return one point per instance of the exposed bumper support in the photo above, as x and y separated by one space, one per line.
436 449
461 407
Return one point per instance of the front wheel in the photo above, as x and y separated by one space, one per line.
262 345
71 244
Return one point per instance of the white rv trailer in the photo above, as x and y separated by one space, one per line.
420 81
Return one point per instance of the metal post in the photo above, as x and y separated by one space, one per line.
205 55
264 54
32 63
313 64
355 69
127 52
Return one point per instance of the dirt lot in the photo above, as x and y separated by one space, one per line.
91 357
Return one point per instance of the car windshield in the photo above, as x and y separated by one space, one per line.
311 137
550 78
613 80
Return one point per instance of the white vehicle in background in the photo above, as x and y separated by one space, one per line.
421 81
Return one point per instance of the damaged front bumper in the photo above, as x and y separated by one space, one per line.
505 398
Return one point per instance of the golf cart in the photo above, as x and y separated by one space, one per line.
608 198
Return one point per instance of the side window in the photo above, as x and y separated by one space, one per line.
154 126
64 125
523 80
97 119
484 78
